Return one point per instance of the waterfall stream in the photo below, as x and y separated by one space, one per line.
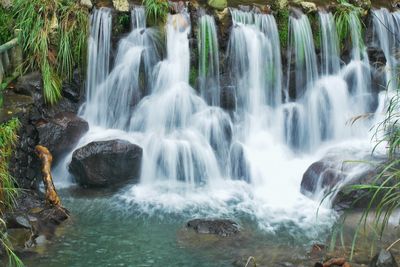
201 159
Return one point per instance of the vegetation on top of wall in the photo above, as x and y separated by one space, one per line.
282 20
342 20
6 25
54 40
8 189
156 10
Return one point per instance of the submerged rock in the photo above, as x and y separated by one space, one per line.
106 163
384 259
215 227
61 133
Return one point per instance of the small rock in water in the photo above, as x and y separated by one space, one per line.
384 259
215 227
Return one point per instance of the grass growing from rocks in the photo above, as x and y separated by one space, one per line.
343 15
54 40
8 189
282 20
156 10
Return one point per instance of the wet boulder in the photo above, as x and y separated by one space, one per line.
321 175
106 163
335 176
384 259
215 227
61 133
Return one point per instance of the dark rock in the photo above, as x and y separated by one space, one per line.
321 175
72 90
105 163
17 220
61 133
384 259
215 227
228 98
376 56
334 175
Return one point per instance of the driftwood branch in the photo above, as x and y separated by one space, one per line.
52 197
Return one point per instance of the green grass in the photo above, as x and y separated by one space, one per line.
282 20
54 40
8 188
6 25
342 18
156 10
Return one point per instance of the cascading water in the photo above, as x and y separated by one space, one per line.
112 102
330 58
208 60
99 51
302 56
386 33
197 158
255 66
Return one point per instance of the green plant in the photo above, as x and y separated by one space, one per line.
54 38
6 25
156 10
282 20
8 189
344 13
8 137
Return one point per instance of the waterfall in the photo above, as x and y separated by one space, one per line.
198 157
386 32
330 58
253 52
358 72
138 17
208 60
302 52
99 51
181 133
116 96
267 25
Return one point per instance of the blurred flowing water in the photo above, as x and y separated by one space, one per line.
202 161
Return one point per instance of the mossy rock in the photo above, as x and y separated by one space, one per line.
218 4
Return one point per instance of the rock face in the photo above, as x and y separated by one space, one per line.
121 5
61 133
26 103
106 163
87 3
384 259
216 227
